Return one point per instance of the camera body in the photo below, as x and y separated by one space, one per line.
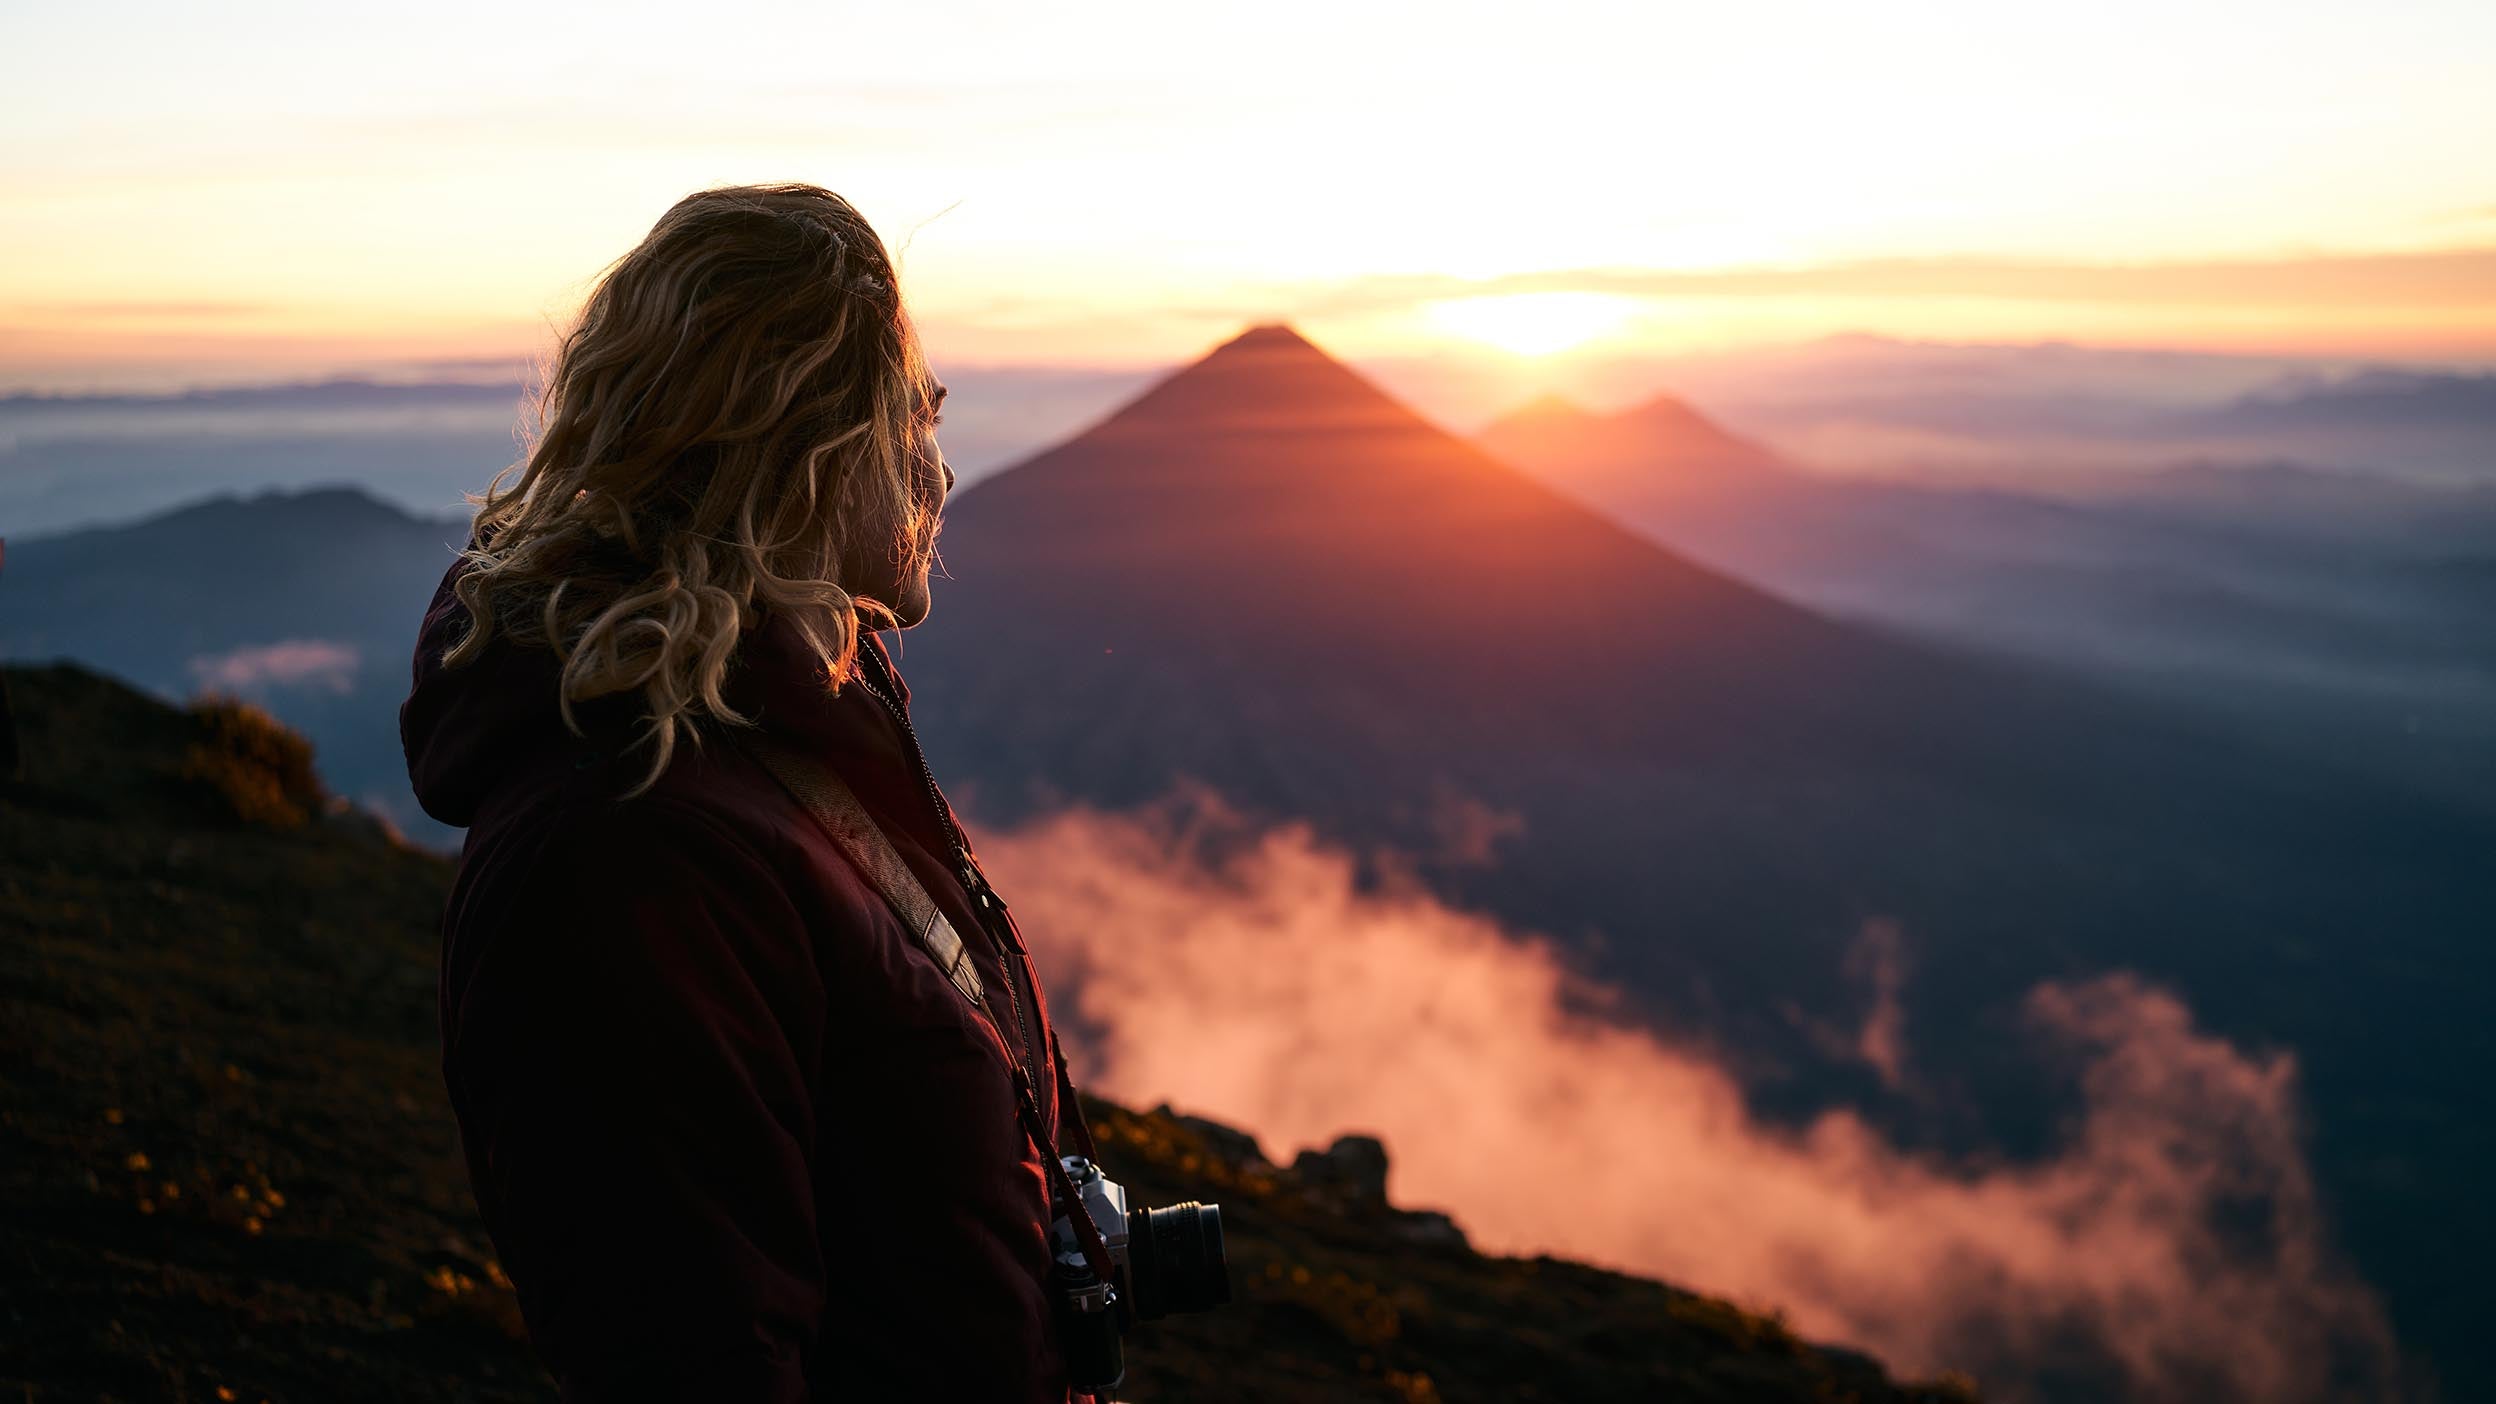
1164 1261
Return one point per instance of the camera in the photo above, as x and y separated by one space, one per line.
1165 1260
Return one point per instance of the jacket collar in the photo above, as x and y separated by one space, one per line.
777 679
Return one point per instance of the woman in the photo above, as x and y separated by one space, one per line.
736 1135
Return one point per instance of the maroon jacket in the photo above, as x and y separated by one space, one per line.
735 1135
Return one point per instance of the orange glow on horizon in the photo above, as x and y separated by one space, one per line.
1533 324
245 190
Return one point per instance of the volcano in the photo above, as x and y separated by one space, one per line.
1269 576
1266 575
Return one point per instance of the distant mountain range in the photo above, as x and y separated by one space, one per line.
2043 418
2027 417
334 393
79 461
2321 607
2380 396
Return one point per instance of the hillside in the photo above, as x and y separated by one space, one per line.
231 1173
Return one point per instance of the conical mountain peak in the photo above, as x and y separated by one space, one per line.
1662 445
1272 336
1268 379
1271 488
1666 410
1668 421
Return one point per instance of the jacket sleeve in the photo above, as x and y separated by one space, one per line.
633 1055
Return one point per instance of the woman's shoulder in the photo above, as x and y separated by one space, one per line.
661 892
715 851
584 862
715 819
591 934
658 831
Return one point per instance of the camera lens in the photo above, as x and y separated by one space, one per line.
1176 1260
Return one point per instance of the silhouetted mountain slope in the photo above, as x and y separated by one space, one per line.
284 565
1265 575
305 602
230 1171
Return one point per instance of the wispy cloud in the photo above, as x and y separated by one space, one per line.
144 308
1879 959
319 665
1246 975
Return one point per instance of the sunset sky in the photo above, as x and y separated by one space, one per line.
215 194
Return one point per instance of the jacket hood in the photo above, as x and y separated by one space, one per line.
469 731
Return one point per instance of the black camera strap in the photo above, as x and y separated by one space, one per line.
835 808
1069 1102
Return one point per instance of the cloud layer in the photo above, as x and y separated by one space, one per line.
2174 1239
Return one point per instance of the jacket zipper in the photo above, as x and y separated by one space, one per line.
974 882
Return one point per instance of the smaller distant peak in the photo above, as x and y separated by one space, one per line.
1546 414
1551 404
1667 412
1665 404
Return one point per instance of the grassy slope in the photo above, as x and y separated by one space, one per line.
229 1171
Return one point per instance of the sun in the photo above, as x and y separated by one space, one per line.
1532 324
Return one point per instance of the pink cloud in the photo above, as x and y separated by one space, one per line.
1467 831
312 663
1879 959
1244 975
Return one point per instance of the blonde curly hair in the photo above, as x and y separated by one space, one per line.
739 421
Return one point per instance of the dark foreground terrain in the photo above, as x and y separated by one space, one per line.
229 1172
